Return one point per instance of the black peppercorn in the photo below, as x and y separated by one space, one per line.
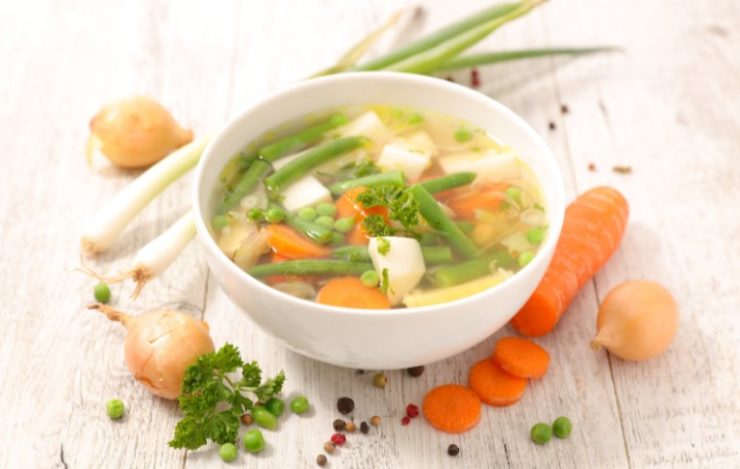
415 371
453 450
364 427
345 405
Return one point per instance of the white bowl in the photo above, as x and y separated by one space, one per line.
377 339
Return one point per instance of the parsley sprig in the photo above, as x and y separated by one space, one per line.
214 396
402 207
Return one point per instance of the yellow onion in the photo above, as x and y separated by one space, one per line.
160 345
136 132
637 320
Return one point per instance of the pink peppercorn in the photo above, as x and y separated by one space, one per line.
338 439
412 410
474 78
405 420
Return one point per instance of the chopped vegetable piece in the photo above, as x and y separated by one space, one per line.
390 177
350 292
286 241
521 357
344 225
299 405
449 275
403 261
114 408
488 198
433 214
402 155
463 135
102 293
310 267
494 386
594 225
370 278
312 229
307 213
325 209
452 408
309 160
562 427
300 139
305 192
246 184
447 182
274 215
535 235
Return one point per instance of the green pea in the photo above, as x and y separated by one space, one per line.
227 451
256 214
274 215
220 222
253 441
562 427
102 293
275 406
541 433
370 278
264 418
344 225
535 235
415 119
326 209
525 258
514 193
325 221
114 408
307 213
462 135
299 405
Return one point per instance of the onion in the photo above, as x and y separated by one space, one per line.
160 345
637 320
136 132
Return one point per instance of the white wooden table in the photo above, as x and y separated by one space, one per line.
667 106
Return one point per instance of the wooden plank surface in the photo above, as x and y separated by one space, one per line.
665 107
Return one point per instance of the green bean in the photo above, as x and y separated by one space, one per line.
310 159
299 140
449 181
466 227
311 267
391 177
311 229
449 275
432 58
236 165
248 181
437 37
437 219
432 254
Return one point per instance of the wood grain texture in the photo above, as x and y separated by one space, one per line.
665 107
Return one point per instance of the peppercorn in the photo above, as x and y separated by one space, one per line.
345 405
350 427
552 125
339 425
564 109
329 447
338 439
412 410
247 419
374 420
364 427
453 450
405 420
321 460
415 371
380 380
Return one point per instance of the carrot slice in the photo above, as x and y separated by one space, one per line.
593 227
483 198
451 408
521 357
494 386
358 235
349 292
347 205
293 245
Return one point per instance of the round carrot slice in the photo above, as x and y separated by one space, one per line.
451 408
494 386
521 357
349 292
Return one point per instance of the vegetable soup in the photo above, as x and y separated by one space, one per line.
379 207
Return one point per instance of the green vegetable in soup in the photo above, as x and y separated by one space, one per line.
401 205
449 275
463 135
432 254
344 225
449 181
311 267
310 159
301 139
245 185
394 178
313 230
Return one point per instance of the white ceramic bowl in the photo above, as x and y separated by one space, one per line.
377 339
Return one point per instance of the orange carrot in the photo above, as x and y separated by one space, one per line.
521 357
347 205
482 198
349 292
293 245
594 225
358 235
451 408
494 386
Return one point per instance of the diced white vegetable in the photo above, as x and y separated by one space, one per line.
405 157
233 236
404 262
370 126
305 192
491 165
517 242
422 141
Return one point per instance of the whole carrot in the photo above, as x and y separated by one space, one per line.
594 225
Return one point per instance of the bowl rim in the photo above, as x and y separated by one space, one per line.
556 206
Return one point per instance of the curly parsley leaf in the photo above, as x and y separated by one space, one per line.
216 391
376 226
384 246
401 205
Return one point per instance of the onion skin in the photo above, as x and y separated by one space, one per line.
137 132
160 345
637 320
